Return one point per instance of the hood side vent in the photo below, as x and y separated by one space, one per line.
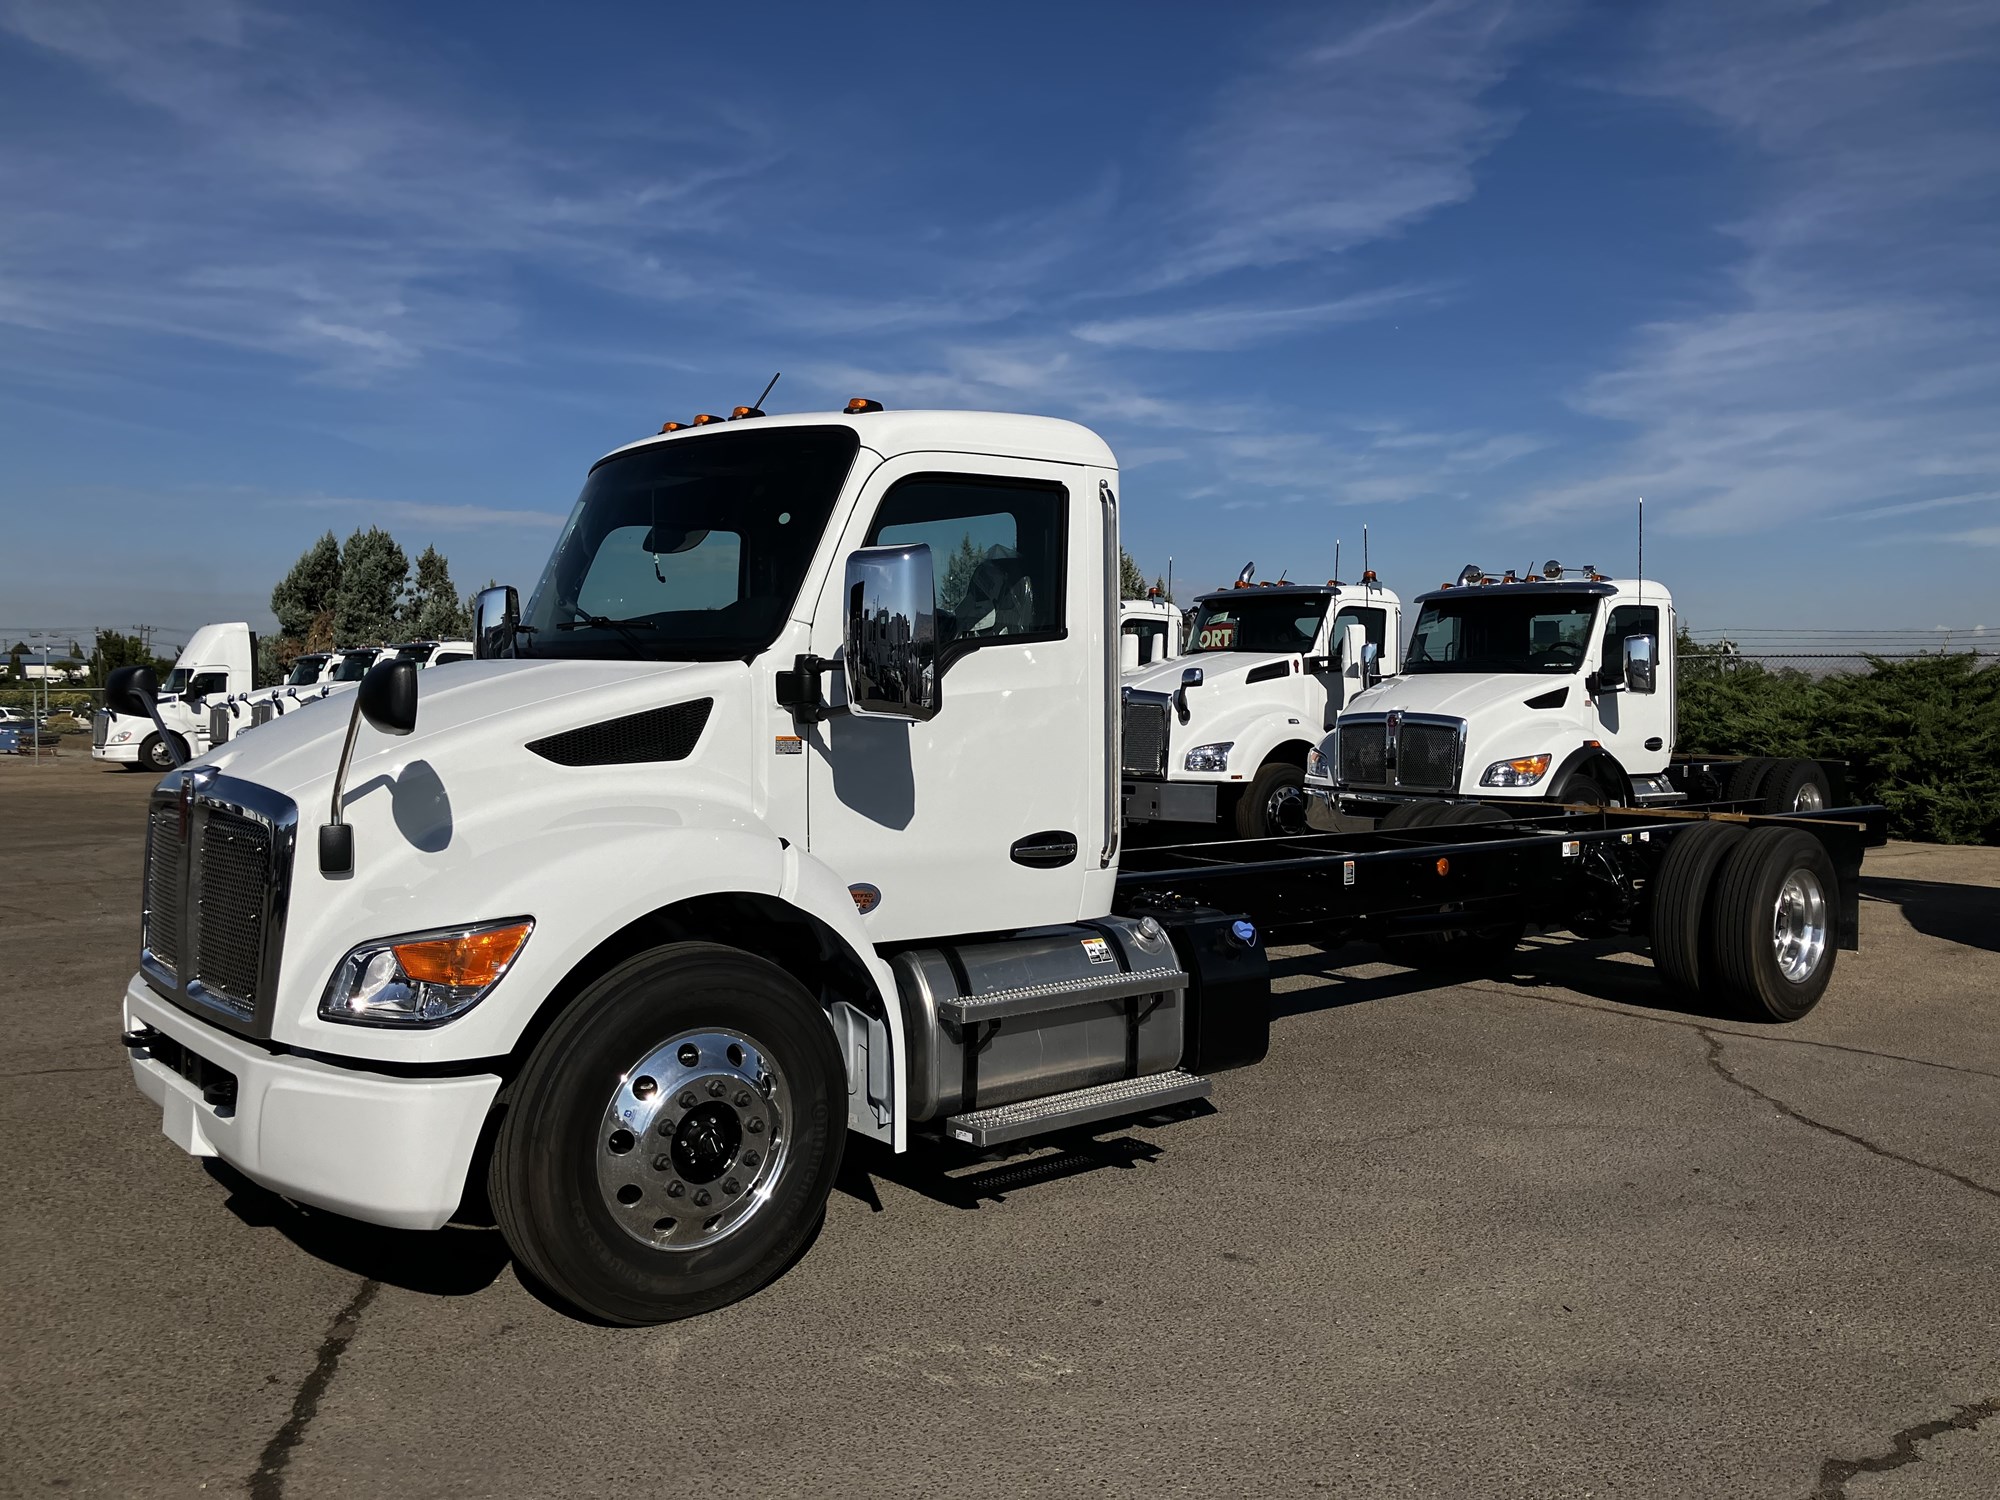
1555 698
1271 671
657 734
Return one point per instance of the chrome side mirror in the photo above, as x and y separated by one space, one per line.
496 619
1639 663
890 649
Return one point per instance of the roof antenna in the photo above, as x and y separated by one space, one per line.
1642 549
1365 576
1336 560
759 402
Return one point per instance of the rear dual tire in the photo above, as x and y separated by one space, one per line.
1778 786
1747 917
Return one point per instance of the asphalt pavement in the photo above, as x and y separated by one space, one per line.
1540 1235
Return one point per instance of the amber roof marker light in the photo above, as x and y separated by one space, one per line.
858 404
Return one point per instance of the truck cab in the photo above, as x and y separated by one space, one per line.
1553 685
1149 632
1219 738
431 653
316 675
219 660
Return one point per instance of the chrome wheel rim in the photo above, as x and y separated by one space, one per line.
1809 798
693 1140
1285 810
1799 927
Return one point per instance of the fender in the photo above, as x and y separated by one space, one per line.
1600 761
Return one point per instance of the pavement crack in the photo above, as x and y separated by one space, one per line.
45 1072
1835 1472
268 1481
1722 1070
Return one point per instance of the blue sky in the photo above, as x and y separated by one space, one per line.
1476 275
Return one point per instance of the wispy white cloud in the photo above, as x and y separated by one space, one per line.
1855 365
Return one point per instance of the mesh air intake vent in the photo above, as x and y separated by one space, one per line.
657 734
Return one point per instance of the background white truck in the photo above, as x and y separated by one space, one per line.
1557 685
1220 736
322 674
751 833
219 660
1149 632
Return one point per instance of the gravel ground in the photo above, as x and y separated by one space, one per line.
1541 1235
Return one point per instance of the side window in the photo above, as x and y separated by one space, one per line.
1374 621
208 682
1152 636
1629 619
451 656
997 547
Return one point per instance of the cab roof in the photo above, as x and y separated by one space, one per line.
893 433
1598 587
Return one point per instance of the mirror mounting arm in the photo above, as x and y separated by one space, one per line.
799 688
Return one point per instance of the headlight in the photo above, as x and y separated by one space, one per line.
1525 771
121 736
423 978
1209 757
1323 757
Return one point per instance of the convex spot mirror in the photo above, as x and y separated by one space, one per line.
890 646
496 619
1639 663
387 696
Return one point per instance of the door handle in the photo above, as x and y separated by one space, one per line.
1044 851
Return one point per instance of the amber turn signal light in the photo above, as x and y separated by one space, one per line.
860 404
471 958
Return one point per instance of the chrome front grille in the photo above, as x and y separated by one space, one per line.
1427 756
100 728
1145 738
1418 752
218 877
1362 754
166 872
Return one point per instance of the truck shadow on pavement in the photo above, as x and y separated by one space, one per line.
1965 914
452 1262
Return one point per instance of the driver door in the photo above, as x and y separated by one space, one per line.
960 823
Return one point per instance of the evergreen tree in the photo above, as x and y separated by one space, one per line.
958 570
373 571
309 590
433 612
1131 582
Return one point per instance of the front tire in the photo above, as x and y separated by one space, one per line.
670 1145
154 755
1273 804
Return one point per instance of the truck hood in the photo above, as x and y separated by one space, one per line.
1217 668
1464 694
464 712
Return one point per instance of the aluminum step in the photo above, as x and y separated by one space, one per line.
1104 1101
1060 994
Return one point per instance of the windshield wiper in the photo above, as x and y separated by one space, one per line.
585 621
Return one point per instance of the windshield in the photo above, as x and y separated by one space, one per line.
691 550
417 654
1502 633
1252 621
305 671
177 681
353 666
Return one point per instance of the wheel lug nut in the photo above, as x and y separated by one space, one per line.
730 1185
675 1189
742 1097
755 1127
751 1158
701 1197
715 1088
663 1162
688 1100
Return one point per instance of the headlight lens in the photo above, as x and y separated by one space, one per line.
1323 757
121 736
1209 757
423 978
1526 770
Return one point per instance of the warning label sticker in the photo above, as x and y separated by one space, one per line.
791 744
1097 950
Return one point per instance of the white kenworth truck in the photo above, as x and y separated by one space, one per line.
321 674
1149 631
1558 685
751 832
219 660
1220 737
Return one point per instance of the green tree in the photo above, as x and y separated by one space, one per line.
373 571
958 570
1131 582
309 590
433 611
14 672
111 651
